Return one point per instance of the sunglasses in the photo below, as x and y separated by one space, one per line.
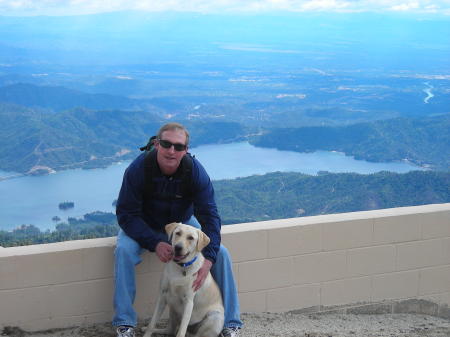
167 145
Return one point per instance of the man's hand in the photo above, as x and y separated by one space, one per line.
164 251
201 274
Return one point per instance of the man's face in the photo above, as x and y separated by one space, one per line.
168 158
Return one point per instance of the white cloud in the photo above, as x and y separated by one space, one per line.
405 6
69 7
326 5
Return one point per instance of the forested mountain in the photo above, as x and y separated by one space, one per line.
275 196
284 195
425 142
93 138
87 138
59 98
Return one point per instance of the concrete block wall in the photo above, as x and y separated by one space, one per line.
385 257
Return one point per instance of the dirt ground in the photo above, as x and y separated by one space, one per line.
295 325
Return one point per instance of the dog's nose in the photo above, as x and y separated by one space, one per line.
178 249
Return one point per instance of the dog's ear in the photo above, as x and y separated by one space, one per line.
171 227
203 240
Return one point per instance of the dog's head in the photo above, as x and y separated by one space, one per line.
187 241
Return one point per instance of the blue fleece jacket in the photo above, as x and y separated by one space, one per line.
144 218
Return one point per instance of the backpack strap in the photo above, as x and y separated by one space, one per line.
150 170
186 176
150 144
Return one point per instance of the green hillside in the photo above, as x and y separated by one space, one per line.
59 98
95 138
425 142
87 138
285 195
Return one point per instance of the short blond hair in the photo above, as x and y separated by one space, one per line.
171 127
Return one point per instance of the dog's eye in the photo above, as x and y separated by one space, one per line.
177 233
190 238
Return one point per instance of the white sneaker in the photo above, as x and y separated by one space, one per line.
230 332
125 331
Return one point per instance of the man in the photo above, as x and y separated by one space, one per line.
143 214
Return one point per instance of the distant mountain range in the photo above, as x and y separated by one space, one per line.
57 98
88 138
424 142
283 195
45 128
41 142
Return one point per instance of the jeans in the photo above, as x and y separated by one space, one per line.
128 255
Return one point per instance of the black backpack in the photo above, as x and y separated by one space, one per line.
151 169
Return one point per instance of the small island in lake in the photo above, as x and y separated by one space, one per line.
66 205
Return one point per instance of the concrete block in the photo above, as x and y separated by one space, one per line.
147 286
436 224
319 267
255 301
346 291
371 260
100 295
434 280
248 245
295 240
292 298
68 299
100 317
395 285
9 278
419 254
265 274
446 245
393 229
348 234
150 263
50 268
98 262
24 305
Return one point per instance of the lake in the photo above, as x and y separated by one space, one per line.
34 199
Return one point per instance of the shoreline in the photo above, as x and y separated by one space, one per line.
48 170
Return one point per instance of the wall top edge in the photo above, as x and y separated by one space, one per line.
243 227
57 247
339 217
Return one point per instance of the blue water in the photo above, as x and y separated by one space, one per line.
34 199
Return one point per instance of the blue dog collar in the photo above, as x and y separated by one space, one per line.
187 264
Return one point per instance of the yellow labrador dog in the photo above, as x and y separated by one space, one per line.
199 313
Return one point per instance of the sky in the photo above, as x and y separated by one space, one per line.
77 7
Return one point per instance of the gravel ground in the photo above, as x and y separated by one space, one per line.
296 325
